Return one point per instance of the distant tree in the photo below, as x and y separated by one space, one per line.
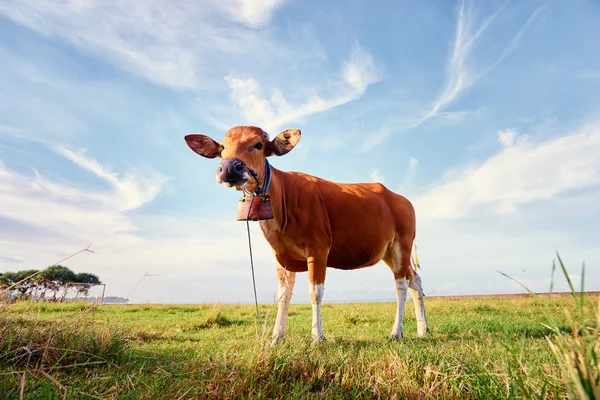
55 278
86 281
4 278
3 296
85 277
59 274
23 285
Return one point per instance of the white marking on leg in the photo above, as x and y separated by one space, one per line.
416 292
284 295
401 292
316 297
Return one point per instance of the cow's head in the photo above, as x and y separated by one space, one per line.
243 148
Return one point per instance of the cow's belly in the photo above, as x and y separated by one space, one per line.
357 254
349 258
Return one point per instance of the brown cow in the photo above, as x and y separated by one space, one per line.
319 223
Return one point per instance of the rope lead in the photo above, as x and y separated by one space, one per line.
258 191
252 263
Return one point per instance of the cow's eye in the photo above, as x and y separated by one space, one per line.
258 146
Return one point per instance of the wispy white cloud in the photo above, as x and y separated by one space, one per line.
43 204
8 130
458 117
513 44
252 13
522 172
588 74
275 111
14 132
409 175
508 137
360 70
458 76
376 176
167 43
132 191
69 209
11 259
463 70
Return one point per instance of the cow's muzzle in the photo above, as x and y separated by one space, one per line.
232 172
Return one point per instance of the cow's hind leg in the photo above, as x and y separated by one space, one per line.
416 292
285 280
398 259
316 287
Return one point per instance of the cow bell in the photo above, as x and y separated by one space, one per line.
259 207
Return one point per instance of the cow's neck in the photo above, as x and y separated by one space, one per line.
278 201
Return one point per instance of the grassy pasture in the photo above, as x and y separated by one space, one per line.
483 348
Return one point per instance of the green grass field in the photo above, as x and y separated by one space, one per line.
491 348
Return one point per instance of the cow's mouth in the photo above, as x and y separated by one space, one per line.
238 183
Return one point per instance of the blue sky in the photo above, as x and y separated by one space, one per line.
484 114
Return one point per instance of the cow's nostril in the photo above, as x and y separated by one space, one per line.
239 167
220 169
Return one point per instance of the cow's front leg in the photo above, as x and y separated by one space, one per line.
285 281
316 287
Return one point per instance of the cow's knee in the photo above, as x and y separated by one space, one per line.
315 292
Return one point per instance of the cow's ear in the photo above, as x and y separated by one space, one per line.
204 145
283 143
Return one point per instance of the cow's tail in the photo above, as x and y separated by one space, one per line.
414 259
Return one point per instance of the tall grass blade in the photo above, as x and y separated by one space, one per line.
566 274
519 283
552 276
582 283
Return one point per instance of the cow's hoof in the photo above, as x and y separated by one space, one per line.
318 339
276 340
395 337
422 333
